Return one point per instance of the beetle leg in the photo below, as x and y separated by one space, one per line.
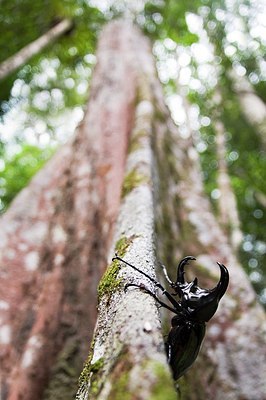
136 269
176 305
142 287
166 274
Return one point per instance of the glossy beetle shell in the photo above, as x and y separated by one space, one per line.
195 307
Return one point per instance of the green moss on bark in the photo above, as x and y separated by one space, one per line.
91 373
164 386
120 378
109 281
85 373
135 140
132 180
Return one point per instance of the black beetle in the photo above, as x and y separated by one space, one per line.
195 307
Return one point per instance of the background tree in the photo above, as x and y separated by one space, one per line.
17 60
182 226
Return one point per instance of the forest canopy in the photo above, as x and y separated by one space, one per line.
209 57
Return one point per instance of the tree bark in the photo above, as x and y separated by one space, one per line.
57 233
54 241
127 358
22 56
228 214
252 105
232 361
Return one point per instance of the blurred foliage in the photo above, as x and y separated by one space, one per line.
24 21
166 19
246 153
57 80
21 23
248 171
17 170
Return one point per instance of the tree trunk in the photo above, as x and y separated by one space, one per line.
232 363
54 241
57 234
228 215
252 105
22 56
126 355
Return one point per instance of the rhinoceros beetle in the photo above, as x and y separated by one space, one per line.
195 307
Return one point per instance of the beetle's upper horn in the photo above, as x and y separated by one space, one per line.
221 287
180 268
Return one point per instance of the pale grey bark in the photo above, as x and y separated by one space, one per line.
227 205
228 214
128 342
252 105
22 56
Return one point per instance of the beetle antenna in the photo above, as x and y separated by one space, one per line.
146 290
156 283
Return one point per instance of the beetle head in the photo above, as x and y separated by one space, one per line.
201 304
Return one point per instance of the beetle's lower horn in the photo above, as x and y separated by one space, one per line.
180 268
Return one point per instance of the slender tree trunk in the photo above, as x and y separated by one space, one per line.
228 215
54 241
126 355
227 206
252 105
21 57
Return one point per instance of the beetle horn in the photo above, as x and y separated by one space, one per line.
180 268
221 287
208 300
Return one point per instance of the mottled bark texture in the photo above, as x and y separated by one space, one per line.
22 56
127 360
54 241
126 352
232 363
227 206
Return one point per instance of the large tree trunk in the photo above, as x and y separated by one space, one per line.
22 56
54 241
126 355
